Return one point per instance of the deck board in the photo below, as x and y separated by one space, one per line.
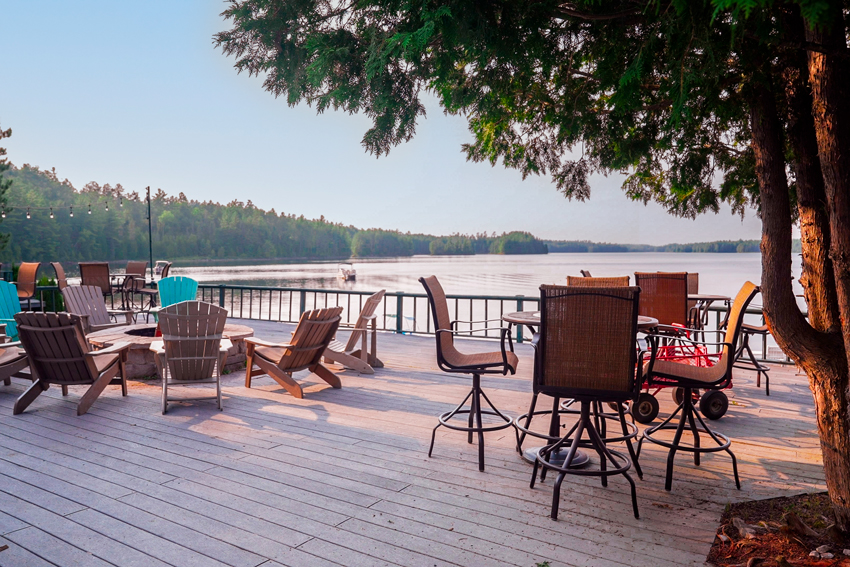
342 477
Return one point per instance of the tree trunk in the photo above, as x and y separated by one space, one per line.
818 279
821 355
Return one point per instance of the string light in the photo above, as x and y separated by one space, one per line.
121 202
3 214
107 207
28 213
51 212
89 209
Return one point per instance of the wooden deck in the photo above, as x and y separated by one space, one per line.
342 477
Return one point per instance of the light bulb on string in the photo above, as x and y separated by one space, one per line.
72 211
89 209
51 212
28 213
3 214
121 202
107 207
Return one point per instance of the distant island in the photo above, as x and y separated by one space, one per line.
49 220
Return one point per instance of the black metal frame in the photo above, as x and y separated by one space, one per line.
475 412
753 364
686 410
591 419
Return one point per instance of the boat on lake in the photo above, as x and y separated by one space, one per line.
346 272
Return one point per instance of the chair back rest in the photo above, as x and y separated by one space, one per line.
86 300
56 347
362 321
191 334
585 273
589 281
96 274
136 269
61 280
587 344
175 289
736 318
442 319
165 270
9 306
311 337
664 296
27 273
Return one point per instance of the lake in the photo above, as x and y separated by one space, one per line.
490 274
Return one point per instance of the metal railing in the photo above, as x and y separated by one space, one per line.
399 312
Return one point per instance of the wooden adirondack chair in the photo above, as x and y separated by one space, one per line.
13 360
192 350
9 306
59 353
354 353
304 352
87 302
173 290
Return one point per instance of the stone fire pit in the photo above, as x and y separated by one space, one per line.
140 359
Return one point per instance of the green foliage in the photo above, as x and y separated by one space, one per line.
721 246
451 245
518 243
376 242
4 183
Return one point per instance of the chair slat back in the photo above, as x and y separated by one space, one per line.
587 341
9 306
165 270
86 300
61 280
56 347
27 274
440 313
175 289
136 269
191 334
362 321
589 281
664 296
96 274
313 334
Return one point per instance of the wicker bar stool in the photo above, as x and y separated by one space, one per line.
586 351
449 359
689 378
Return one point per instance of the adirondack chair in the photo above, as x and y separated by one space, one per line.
61 280
303 352
87 302
27 276
59 354
354 353
9 306
13 360
173 290
192 350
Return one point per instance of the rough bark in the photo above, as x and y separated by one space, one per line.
818 279
828 76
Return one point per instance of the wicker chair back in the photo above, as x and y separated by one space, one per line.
589 281
96 274
61 280
136 269
442 319
587 344
27 273
664 296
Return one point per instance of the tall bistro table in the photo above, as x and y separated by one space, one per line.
703 302
531 320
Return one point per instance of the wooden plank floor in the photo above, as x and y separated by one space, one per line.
342 477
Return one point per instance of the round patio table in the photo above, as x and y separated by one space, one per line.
531 319
140 358
704 301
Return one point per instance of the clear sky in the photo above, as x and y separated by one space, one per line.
135 93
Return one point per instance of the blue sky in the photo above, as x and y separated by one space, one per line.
135 93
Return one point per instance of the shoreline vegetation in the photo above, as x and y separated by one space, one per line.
104 222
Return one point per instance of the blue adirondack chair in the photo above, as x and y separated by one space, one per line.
9 306
173 290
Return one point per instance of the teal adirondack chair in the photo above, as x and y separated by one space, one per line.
173 290
9 306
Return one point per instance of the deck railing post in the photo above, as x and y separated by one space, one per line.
399 315
221 295
519 327
302 306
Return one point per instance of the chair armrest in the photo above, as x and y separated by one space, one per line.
118 312
454 323
370 317
689 341
10 345
466 332
111 349
260 342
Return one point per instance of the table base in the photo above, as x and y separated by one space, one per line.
580 459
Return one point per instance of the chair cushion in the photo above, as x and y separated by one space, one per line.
484 359
103 362
705 374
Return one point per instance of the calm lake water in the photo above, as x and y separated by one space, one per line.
490 274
